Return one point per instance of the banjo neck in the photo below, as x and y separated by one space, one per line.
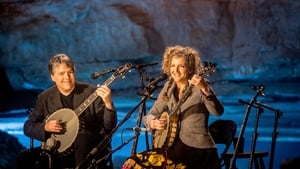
81 108
185 95
208 67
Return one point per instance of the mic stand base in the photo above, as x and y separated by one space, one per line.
106 140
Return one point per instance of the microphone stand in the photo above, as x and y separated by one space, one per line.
116 149
142 112
94 162
107 139
275 133
244 123
259 110
49 154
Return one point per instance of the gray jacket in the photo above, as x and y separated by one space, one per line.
195 111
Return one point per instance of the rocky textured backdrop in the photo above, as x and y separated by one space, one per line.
256 41
252 41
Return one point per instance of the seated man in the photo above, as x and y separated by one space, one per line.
66 95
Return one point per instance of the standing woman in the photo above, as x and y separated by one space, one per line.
193 147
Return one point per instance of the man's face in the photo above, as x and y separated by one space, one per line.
64 78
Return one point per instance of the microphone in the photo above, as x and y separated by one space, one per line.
95 75
137 129
51 144
261 88
144 65
160 78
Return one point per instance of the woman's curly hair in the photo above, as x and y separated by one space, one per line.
192 57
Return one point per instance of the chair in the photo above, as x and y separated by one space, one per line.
223 132
257 158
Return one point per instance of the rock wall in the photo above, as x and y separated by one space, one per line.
252 41
9 149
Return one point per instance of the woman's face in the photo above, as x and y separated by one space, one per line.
179 70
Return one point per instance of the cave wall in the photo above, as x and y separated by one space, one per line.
256 41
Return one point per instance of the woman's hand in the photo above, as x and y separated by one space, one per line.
201 84
158 124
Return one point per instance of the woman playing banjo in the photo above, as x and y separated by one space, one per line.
189 98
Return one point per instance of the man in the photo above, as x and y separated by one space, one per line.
96 120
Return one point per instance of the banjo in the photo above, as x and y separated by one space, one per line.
69 118
165 138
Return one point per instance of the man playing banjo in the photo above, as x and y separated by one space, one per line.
58 102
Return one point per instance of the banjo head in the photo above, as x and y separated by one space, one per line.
70 123
160 136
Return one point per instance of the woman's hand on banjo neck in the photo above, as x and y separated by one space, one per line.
201 84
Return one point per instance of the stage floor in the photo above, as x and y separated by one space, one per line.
287 142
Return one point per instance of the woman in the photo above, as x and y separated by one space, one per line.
193 146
